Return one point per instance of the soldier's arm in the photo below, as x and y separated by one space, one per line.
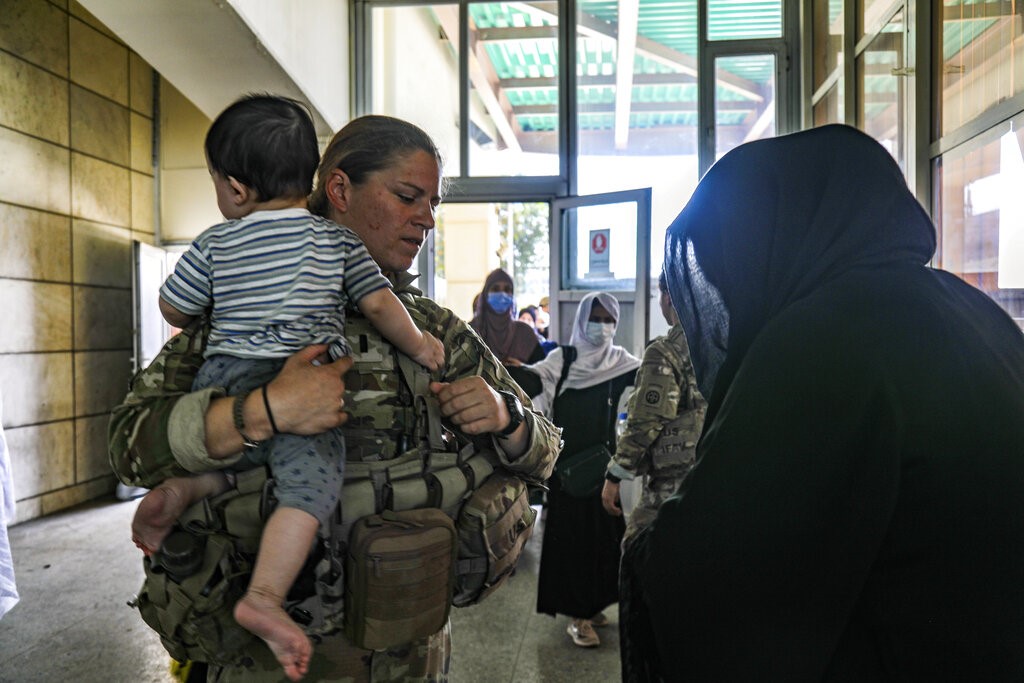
164 429
468 356
158 403
653 405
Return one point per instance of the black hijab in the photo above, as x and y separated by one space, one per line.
857 508
814 205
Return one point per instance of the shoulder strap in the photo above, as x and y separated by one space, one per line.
568 356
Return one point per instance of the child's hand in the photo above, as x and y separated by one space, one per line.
431 353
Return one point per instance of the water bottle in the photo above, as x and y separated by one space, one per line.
181 555
620 425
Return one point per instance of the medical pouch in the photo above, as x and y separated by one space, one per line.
493 525
399 577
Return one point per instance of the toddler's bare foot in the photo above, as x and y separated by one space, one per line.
157 512
266 618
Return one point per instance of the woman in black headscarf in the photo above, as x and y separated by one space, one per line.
512 341
857 510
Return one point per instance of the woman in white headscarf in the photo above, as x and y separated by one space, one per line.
580 556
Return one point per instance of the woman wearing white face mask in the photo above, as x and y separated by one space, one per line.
580 557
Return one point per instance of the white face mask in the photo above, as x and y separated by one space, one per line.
599 333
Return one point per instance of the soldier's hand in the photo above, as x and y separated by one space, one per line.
308 398
610 498
472 405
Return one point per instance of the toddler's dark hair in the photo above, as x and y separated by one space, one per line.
266 142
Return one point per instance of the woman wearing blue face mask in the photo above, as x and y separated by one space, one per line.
512 341
579 565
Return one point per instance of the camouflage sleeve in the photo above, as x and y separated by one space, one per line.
469 356
138 433
654 404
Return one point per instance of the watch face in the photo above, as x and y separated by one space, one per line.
515 405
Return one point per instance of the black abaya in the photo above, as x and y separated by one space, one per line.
857 509
579 565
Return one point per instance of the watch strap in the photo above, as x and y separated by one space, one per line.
516 412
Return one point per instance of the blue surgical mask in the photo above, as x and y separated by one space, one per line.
500 302
599 333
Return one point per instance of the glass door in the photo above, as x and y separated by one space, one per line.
151 266
602 242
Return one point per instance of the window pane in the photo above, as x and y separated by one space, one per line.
869 15
414 61
982 53
637 104
827 16
744 100
471 240
829 108
737 19
980 210
880 92
601 241
513 79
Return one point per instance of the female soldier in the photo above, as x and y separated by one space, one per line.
381 177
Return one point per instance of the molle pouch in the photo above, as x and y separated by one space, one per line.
494 525
202 569
399 577
194 614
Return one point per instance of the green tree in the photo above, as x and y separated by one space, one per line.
528 224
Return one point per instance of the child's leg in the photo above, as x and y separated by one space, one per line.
287 539
160 508
307 476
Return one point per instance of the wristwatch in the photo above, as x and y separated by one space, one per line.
236 413
515 412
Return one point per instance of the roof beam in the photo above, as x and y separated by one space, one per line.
483 78
638 107
599 80
629 19
759 126
592 27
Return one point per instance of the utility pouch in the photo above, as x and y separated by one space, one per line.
192 584
399 577
494 525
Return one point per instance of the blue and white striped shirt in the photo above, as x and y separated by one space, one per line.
277 281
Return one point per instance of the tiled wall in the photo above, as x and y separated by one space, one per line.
76 187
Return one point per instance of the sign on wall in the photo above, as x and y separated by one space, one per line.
599 253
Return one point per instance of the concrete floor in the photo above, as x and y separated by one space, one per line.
77 569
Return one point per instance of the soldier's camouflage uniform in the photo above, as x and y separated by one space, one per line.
664 417
158 431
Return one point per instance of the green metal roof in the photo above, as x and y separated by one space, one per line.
521 44
520 41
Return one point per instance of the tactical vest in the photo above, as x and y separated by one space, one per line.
399 457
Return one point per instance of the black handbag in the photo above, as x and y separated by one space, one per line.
581 474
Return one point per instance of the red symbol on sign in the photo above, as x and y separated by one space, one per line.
599 243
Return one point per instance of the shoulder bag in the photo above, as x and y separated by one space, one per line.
581 474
